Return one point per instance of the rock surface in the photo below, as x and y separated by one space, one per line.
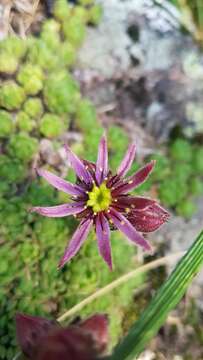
155 69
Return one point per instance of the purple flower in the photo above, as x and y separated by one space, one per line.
43 339
102 200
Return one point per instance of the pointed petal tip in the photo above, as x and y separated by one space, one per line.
38 171
148 248
61 264
153 162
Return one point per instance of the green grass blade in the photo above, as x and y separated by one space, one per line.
167 297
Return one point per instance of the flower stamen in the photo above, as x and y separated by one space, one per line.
99 198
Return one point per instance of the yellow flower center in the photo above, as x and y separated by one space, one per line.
99 198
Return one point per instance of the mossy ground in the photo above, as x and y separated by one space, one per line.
40 99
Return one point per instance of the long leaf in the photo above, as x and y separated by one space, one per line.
164 301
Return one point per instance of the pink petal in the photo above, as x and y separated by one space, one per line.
78 166
30 330
60 183
76 242
103 238
127 161
127 228
97 327
134 181
150 219
102 161
60 210
133 202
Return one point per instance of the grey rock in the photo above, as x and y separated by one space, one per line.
142 46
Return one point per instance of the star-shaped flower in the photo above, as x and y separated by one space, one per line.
100 199
43 339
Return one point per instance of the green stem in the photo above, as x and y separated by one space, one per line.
164 301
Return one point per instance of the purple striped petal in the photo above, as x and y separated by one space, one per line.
127 228
150 219
135 180
76 242
78 166
127 161
103 238
61 184
102 161
59 210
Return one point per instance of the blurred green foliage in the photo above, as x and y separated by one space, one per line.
192 17
178 176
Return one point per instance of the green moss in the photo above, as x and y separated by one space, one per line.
86 117
8 63
91 143
24 122
11 95
14 45
51 126
95 273
172 191
86 2
33 107
11 170
61 93
81 13
196 186
6 124
186 208
198 160
61 10
95 14
181 150
74 30
50 34
182 172
22 146
40 54
68 53
118 142
31 78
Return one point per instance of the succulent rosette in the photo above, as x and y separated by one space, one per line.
102 200
43 339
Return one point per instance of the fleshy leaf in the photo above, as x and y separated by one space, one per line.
30 331
97 327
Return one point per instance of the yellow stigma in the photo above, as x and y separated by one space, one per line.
99 198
